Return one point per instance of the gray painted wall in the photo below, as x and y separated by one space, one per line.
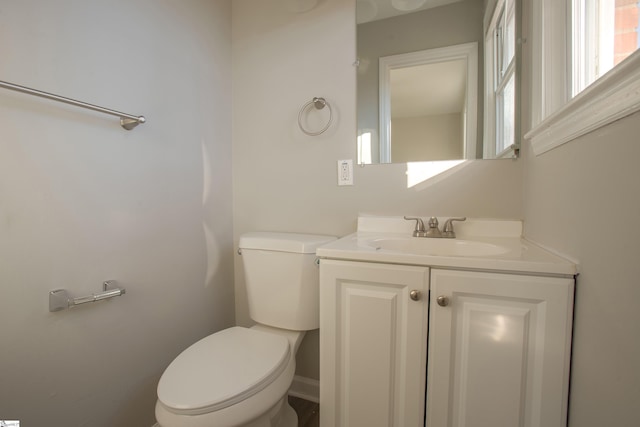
582 200
82 201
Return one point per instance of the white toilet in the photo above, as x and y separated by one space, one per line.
240 376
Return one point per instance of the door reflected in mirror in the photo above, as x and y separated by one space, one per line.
426 119
421 92
428 100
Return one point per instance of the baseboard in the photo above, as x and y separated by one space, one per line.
305 388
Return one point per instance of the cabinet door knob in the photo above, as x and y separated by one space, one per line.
414 295
442 301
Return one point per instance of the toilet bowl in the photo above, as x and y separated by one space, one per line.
236 377
240 376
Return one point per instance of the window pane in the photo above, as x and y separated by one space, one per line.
500 65
506 115
605 32
626 35
509 35
505 40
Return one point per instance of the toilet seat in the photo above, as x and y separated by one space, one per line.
223 369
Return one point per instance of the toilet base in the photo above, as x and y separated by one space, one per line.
281 415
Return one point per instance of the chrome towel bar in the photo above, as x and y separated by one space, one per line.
127 121
59 299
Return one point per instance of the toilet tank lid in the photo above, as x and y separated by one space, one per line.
283 242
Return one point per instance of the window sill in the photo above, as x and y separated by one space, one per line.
612 97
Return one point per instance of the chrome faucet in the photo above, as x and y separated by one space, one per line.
433 230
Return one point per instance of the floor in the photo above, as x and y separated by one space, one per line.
308 412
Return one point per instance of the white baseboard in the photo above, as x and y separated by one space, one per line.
305 388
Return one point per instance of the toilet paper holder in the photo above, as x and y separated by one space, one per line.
59 299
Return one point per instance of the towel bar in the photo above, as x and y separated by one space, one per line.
127 121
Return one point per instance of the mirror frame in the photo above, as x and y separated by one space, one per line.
467 52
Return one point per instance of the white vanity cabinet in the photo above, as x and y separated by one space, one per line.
373 332
485 343
499 348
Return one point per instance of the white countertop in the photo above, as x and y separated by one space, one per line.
519 254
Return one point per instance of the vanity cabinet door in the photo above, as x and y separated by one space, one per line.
373 334
499 348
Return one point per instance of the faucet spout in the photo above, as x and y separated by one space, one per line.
433 230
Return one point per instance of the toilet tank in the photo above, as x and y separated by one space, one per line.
282 278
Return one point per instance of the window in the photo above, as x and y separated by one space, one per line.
500 81
593 84
605 32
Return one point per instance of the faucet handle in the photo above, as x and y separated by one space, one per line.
419 230
447 230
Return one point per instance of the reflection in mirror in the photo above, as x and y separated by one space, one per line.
428 101
401 119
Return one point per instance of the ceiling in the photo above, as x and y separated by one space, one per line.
374 10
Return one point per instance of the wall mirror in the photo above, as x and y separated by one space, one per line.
421 80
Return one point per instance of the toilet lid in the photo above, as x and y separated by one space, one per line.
222 369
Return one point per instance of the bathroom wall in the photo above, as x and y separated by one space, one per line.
284 180
83 201
582 200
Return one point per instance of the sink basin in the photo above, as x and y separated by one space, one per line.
437 247
482 244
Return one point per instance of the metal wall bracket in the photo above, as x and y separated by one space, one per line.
59 299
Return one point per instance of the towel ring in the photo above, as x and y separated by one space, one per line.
319 103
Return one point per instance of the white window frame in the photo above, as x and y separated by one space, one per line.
493 118
556 118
